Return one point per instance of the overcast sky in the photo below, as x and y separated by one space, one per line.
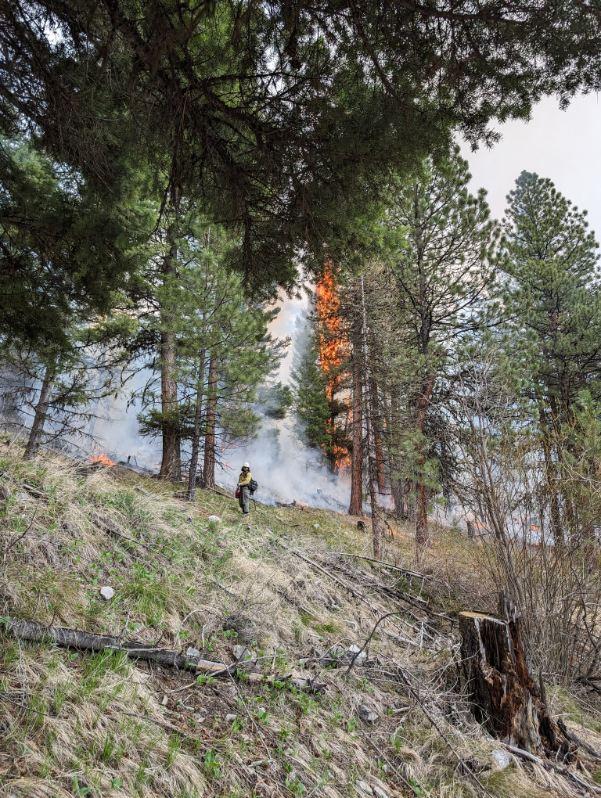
562 145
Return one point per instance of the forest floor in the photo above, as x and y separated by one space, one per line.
294 590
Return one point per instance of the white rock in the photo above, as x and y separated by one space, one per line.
364 788
192 653
356 653
230 717
367 714
501 759
379 792
214 519
107 592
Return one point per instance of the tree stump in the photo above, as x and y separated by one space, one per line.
503 695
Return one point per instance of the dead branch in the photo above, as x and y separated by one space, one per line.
79 640
390 566
547 764
396 594
327 573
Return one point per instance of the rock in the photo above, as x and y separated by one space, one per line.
192 653
356 654
230 717
243 653
4 493
189 519
165 700
214 520
367 714
364 788
107 592
501 759
379 792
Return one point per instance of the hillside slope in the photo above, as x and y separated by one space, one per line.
99 724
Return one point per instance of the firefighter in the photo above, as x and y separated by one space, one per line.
243 490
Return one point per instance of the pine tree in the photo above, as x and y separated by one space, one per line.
282 117
443 274
62 255
552 296
64 251
222 351
310 396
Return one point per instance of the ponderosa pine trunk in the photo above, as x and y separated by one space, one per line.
197 428
376 521
171 467
551 477
36 432
208 470
422 537
356 503
377 424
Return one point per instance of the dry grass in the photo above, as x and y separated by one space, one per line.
100 725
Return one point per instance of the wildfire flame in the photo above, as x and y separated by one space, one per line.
102 459
333 346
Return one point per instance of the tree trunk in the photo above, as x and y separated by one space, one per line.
197 426
377 434
376 521
397 482
551 476
422 533
171 457
209 458
504 697
422 537
41 413
356 503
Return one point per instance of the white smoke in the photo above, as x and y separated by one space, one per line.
116 430
284 466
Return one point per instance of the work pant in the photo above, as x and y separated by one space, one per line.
244 499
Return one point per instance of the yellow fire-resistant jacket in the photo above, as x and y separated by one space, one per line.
244 480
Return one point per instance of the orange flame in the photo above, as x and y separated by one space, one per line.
102 459
332 345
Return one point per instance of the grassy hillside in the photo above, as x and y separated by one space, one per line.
84 724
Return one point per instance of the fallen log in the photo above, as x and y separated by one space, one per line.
504 696
34 632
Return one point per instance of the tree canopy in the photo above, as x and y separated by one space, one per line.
278 114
